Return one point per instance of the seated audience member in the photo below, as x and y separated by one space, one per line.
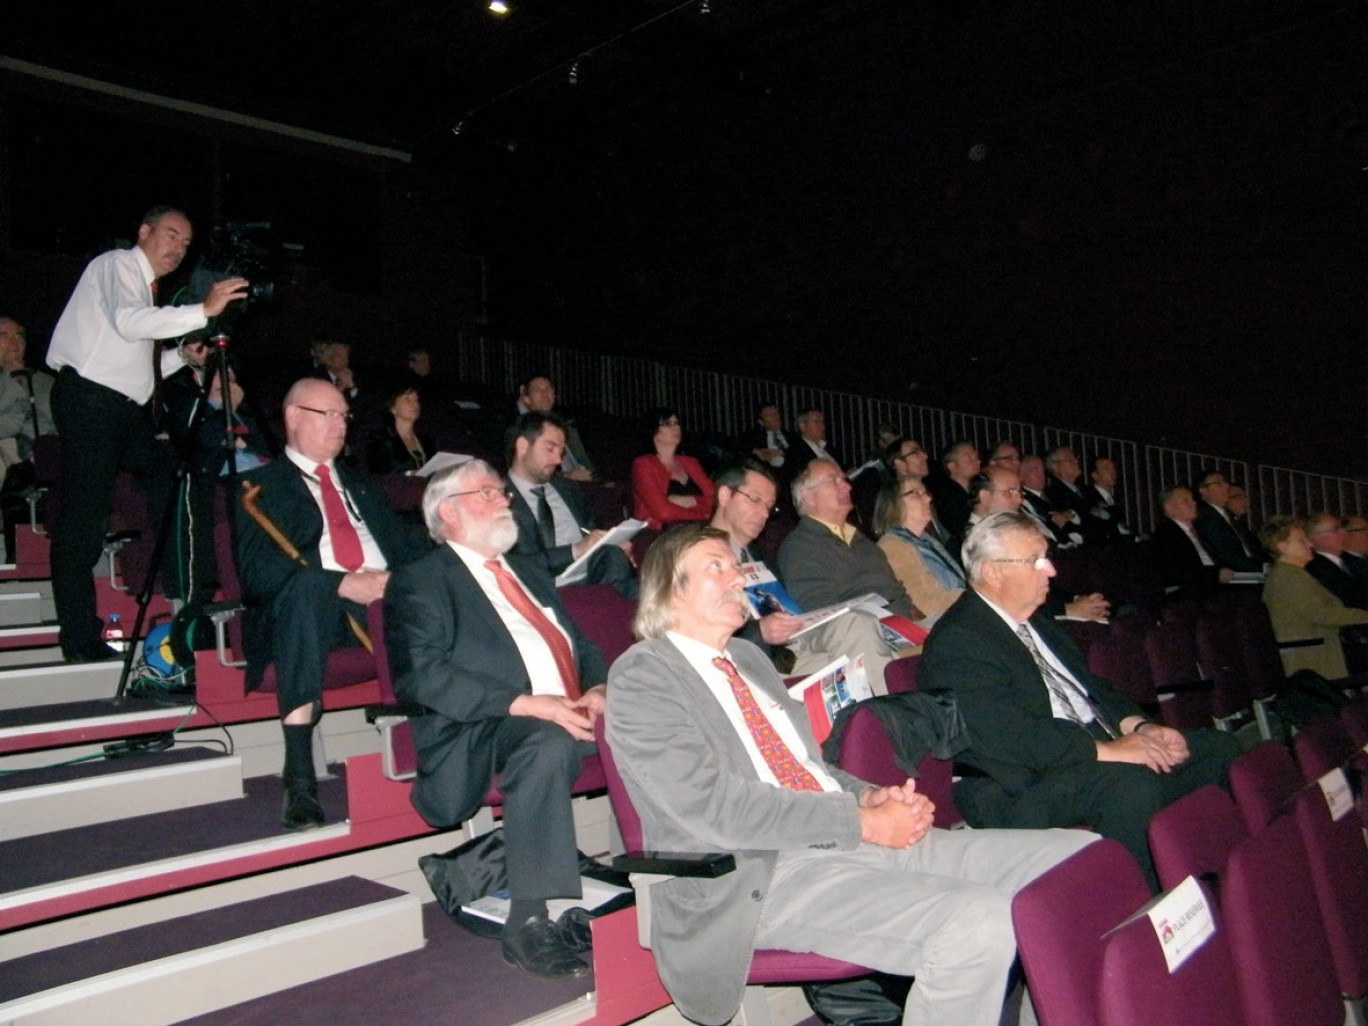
906 460
667 486
538 395
432 387
1051 744
874 464
349 539
1185 566
825 560
553 518
746 496
399 448
36 385
1100 494
931 575
1063 525
1343 578
334 364
1237 505
1064 490
1356 537
512 690
998 490
1219 536
1300 606
767 442
961 462
1005 455
811 444
716 756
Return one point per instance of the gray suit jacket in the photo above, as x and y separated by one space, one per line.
695 789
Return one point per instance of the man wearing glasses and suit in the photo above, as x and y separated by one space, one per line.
1051 744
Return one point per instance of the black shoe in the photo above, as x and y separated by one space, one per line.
302 811
535 947
96 653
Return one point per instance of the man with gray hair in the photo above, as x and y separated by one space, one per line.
1052 744
511 690
717 757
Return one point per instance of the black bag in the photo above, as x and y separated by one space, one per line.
1305 697
475 868
875 1000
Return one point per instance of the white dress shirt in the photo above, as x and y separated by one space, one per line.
108 330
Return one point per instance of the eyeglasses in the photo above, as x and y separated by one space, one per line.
1034 562
757 500
489 493
330 414
920 493
911 452
1005 491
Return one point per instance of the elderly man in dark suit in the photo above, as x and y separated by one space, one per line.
512 690
553 518
348 539
1051 744
1217 532
718 757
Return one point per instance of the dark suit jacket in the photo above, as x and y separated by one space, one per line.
265 570
1062 497
1112 521
558 557
1013 735
450 653
1345 584
1222 541
799 454
1179 564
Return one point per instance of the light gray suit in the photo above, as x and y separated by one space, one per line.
803 881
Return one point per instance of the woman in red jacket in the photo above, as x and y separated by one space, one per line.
668 487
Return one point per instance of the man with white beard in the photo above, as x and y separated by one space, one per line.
512 688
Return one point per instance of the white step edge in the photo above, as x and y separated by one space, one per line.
33 628
46 808
158 867
53 682
193 983
114 719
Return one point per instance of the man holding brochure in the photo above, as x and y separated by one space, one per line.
554 523
717 757
745 497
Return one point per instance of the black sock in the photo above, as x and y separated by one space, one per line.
299 766
520 910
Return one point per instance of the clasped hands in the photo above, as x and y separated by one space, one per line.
895 817
1147 744
576 715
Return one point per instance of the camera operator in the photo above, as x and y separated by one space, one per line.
105 351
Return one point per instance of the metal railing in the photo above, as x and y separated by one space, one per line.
713 401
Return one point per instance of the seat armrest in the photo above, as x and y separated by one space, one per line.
676 863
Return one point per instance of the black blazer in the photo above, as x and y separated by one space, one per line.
264 569
1014 737
1345 584
450 653
1179 564
1222 541
558 557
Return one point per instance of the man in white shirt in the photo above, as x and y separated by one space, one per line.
717 757
103 348
512 688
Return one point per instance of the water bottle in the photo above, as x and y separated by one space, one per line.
114 634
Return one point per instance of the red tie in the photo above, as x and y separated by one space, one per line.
550 633
786 769
346 543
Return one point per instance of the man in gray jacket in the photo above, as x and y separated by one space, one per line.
717 757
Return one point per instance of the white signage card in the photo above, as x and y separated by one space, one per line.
1338 796
1182 921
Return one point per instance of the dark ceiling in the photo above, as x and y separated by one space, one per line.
999 205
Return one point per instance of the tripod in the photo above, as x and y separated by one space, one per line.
220 366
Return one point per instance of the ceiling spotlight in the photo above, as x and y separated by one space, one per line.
460 127
498 7
705 7
574 73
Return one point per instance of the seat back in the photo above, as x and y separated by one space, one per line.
1354 718
1185 696
900 675
1137 989
1282 959
1118 656
1060 919
1194 836
1320 746
1338 861
603 614
867 753
1218 654
1262 782
629 823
